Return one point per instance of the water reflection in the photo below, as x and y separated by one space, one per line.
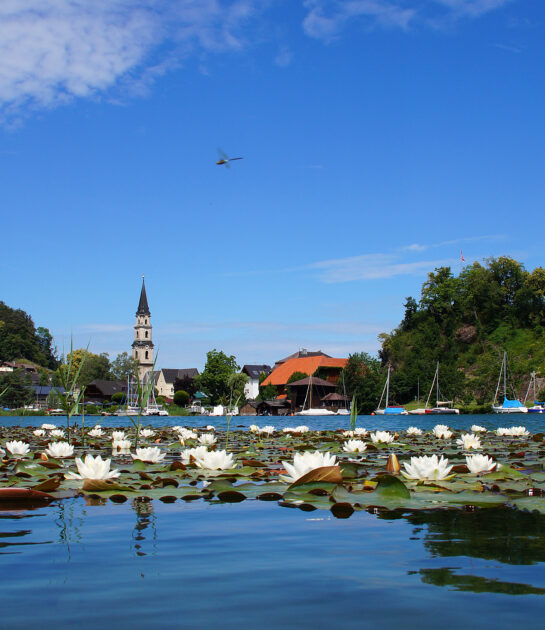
447 577
145 520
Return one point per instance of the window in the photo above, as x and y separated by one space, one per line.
146 334
147 354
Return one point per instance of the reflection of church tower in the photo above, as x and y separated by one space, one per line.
142 346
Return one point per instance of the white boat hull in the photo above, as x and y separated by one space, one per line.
315 412
510 409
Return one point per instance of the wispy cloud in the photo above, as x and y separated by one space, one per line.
52 51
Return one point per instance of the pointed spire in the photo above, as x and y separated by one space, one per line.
143 308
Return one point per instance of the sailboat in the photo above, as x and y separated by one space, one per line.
319 411
132 408
508 406
539 407
395 410
440 405
343 411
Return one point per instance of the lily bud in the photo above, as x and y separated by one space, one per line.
392 466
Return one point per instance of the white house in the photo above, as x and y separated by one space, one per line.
165 379
251 389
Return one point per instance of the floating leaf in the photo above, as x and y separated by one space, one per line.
330 474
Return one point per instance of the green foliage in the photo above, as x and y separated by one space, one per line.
16 390
92 410
465 323
268 392
118 397
181 398
53 399
362 380
88 366
122 367
187 384
20 338
214 379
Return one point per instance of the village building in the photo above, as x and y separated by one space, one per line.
330 369
166 378
254 372
101 391
142 346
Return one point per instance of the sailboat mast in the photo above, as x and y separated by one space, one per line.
387 387
504 375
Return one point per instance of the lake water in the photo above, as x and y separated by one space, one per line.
257 565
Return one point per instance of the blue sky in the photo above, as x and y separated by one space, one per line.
380 138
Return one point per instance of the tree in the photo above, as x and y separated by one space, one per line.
237 382
181 398
123 367
362 379
16 388
268 392
187 384
95 366
214 379
53 399
118 397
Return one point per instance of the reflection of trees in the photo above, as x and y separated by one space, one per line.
476 584
9 541
501 534
145 518
69 523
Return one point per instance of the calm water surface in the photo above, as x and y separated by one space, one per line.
258 565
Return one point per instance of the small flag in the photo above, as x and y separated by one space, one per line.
462 256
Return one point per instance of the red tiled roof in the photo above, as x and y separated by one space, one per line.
307 365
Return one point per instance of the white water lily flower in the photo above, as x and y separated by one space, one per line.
442 431
253 428
96 432
382 437
414 431
268 430
302 428
18 448
198 451
519 432
354 446
215 460
360 431
118 435
210 427
305 462
427 467
207 439
475 428
147 433
285 430
480 463
348 434
39 432
121 446
59 450
93 468
468 442
186 434
151 455
48 427
57 433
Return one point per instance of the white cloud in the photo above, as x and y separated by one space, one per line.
54 50
473 8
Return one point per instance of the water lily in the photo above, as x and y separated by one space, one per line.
147 433
39 432
58 450
475 428
354 446
151 455
284 430
48 427
18 448
480 463
413 431
210 427
382 437
96 432
268 429
121 447
348 434
441 431
253 428
186 434
118 435
56 433
215 460
305 462
468 442
198 451
360 431
93 468
302 428
519 432
207 439
430 468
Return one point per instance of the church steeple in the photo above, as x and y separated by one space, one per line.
143 308
142 346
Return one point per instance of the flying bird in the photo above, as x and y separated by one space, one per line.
224 159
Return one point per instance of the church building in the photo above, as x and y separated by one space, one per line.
142 346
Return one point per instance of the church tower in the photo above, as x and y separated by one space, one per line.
142 346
